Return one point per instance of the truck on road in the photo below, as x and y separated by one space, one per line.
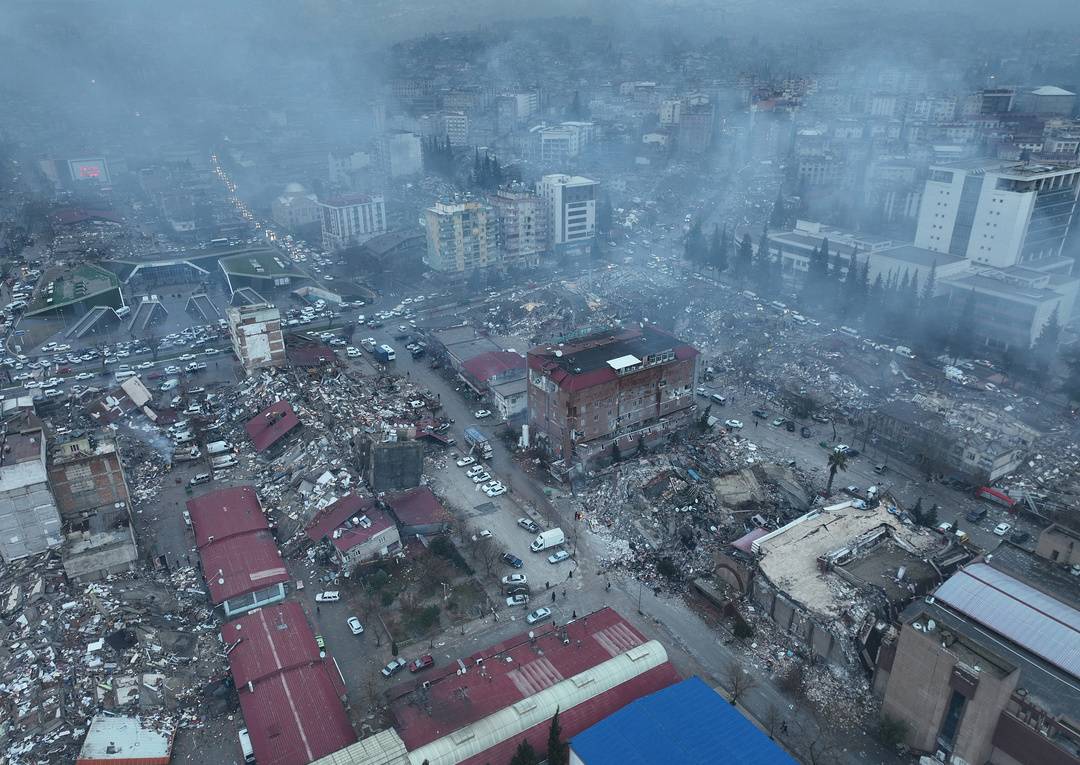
478 442
547 539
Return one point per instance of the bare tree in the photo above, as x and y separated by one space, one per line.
812 745
773 718
739 681
486 554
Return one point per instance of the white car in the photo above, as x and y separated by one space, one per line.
734 424
517 600
495 491
465 461
538 615
145 365
355 625
515 579
352 352
474 470
558 557
330 596
481 477
482 414
1002 529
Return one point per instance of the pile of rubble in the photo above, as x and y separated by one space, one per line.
132 644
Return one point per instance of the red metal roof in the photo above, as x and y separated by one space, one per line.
225 513
241 564
493 364
271 424
269 640
602 635
418 507
296 716
578 718
335 514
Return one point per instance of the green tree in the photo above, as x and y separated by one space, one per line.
556 749
744 259
1046 344
778 216
694 245
762 272
837 461
718 249
962 338
525 754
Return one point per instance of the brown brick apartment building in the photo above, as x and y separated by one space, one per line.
616 386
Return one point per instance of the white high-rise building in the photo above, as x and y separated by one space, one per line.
1000 213
571 211
352 219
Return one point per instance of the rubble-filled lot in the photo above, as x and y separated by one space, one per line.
133 644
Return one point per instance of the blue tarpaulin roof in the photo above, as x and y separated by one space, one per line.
685 724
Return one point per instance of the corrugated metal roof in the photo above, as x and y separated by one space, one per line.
687 723
384 748
225 513
1029 617
269 640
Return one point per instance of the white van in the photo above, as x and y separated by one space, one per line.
170 385
228 461
245 746
124 375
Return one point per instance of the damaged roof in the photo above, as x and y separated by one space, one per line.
241 564
225 513
334 515
418 507
268 640
271 425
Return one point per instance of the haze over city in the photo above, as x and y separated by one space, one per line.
501 383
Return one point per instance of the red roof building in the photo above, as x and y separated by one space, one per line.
491 367
225 513
244 571
608 388
290 695
356 529
419 511
586 669
271 425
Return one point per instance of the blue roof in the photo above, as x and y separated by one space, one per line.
684 724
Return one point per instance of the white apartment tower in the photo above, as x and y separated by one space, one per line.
571 211
1000 213
351 219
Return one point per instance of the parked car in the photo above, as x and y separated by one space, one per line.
976 514
733 424
528 525
465 461
394 666
421 663
779 422
559 556
1002 529
515 579
517 600
495 491
512 559
355 625
1019 537
538 615
329 596
481 477
475 470
482 413
761 414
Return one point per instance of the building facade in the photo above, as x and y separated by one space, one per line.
400 154
1000 214
523 235
257 340
295 207
461 236
570 202
608 390
352 219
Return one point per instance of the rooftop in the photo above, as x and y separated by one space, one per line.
346 200
1051 90
1007 167
687 723
242 564
790 554
334 515
418 507
494 364
982 282
296 716
225 513
918 256
259 264
126 739
271 425
519 669
587 361
1041 624
267 641
72 285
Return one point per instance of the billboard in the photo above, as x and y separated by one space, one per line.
91 170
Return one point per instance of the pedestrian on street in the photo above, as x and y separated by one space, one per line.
783 727
317 610
553 597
